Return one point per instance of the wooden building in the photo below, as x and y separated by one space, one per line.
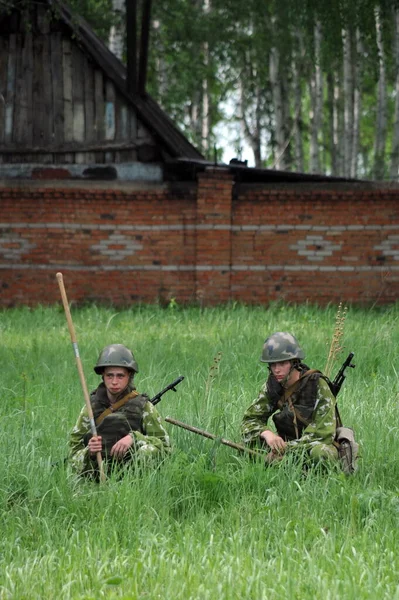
66 99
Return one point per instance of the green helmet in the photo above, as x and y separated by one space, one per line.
281 346
116 355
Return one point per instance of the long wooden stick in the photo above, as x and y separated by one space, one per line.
211 436
72 333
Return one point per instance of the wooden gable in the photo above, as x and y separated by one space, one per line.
64 98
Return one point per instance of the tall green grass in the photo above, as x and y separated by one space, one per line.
207 523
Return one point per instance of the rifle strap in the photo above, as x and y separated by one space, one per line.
338 419
114 407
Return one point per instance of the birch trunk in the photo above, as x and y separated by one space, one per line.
394 166
194 114
357 104
348 100
297 93
338 127
205 127
117 32
331 142
381 121
316 94
251 127
278 109
160 66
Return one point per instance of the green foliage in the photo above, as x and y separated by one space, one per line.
98 13
211 60
208 523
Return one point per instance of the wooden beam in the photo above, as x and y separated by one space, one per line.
131 46
74 147
144 42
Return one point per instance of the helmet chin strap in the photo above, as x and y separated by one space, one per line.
294 365
286 378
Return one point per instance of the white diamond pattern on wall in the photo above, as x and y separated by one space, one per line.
12 246
389 247
315 247
117 246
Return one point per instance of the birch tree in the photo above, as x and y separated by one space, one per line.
116 40
348 98
316 99
297 102
394 166
357 104
381 109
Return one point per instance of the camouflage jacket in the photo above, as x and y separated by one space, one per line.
319 428
152 439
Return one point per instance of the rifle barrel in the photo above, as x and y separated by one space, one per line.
171 386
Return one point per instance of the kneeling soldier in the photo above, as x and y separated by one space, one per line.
299 401
128 425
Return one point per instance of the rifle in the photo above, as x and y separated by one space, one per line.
211 436
171 386
336 384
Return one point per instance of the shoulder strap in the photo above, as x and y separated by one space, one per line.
289 391
114 407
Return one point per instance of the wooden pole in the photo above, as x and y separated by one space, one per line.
72 333
211 436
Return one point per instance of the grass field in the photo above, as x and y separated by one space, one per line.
208 523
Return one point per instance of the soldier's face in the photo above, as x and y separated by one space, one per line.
116 379
281 369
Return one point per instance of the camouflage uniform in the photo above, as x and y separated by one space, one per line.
136 417
317 438
306 420
152 441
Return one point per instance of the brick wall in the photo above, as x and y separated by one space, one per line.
211 241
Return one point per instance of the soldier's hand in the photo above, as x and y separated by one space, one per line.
95 444
274 441
119 449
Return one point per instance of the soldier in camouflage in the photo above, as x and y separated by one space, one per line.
128 425
299 401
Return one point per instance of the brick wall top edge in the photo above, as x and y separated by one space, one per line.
125 186
372 187
216 173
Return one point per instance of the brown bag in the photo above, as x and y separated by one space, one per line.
348 449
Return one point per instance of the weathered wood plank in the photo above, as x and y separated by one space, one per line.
38 125
57 81
124 123
3 84
48 92
67 95
110 125
133 128
120 123
10 95
78 95
67 91
89 108
19 104
99 108
23 129
89 100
